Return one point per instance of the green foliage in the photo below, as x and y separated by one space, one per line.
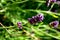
13 11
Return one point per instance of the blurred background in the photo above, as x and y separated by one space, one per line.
14 11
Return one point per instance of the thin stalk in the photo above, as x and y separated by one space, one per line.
45 33
5 29
51 6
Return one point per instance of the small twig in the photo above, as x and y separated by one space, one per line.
39 5
51 6
5 28
45 33
31 35
20 2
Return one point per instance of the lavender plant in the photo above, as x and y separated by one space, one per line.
37 18
54 24
19 25
21 14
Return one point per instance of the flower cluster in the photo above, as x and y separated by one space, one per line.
54 24
49 1
19 25
37 18
53 0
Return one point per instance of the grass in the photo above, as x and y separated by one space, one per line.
13 11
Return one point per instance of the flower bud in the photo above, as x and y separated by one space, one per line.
54 24
35 19
19 25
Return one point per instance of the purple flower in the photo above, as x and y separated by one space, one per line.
32 20
54 24
40 17
49 1
58 2
19 25
37 18
53 0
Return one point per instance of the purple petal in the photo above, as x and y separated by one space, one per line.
34 17
58 2
55 24
48 3
40 17
30 20
19 25
53 0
